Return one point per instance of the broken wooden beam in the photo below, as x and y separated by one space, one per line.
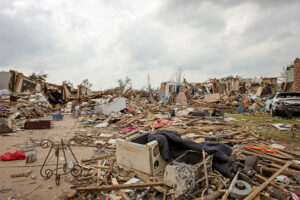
272 183
293 165
120 192
98 158
118 187
255 192
233 182
285 172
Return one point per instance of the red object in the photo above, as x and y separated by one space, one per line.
162 122
260 148
18 155
129 128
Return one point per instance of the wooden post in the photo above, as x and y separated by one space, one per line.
119 187
233 182
120 192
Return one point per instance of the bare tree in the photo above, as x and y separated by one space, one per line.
179 75
41 75
124 83
86 83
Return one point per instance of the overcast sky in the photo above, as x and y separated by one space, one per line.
107 40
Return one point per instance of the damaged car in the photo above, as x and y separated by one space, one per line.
287 103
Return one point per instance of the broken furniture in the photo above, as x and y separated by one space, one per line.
187 170
38 124
71 167
137 154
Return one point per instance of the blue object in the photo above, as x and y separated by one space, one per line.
193 90
71 165
163 99
2 107
241 110
57 117
178 85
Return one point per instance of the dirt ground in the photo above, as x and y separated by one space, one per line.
38 188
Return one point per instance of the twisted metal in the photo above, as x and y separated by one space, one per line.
76 170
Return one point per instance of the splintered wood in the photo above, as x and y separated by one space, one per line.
141 175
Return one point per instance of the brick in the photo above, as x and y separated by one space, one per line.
296 86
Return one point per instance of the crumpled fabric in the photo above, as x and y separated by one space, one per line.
162 122
18 155
129 128
171 146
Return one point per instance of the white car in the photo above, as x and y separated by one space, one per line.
284 102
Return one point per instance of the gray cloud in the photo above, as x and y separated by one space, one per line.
19 38
107 40
143 43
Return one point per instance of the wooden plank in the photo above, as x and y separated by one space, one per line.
118 187
285 172
132 120
98 158
255 192
296 166
225 196
205 169
286 155
121 192
154 194
272 183
99 171
291 152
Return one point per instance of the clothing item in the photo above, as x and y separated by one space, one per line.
171 146
18 155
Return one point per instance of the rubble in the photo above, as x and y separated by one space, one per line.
116 106
175 143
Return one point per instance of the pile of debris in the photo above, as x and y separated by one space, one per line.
162 151
19 107
232 94
171 144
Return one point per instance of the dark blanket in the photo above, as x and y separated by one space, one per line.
171 146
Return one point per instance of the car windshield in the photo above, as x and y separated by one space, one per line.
288 95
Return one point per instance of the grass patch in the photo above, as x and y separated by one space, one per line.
262 123
261 117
